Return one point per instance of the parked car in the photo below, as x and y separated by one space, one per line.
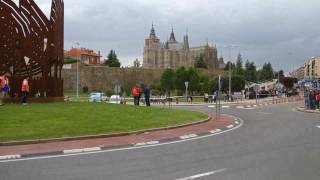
116 99
97 97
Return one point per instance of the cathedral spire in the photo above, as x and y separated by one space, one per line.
152 32
186 40
172 37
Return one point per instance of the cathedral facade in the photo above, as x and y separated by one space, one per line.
172 54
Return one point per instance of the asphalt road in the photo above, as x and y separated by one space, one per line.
275 143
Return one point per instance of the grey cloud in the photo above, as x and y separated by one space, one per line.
285 31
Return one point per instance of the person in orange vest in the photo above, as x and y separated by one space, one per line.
25 89
136 93
2 85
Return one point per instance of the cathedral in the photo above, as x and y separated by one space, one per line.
172 54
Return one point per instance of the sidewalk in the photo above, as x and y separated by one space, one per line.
302 109
146 138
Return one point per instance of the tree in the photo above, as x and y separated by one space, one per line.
228 65
167 81
204 84
200 63
289 82
181 77
194 80
266 73
113 60
250 74
239 66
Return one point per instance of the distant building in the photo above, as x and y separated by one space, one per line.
172 54
312 68
86 56
222 64
298 73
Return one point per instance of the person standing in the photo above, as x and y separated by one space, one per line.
147 93
136 92
6 86
2 85
318 100
25 88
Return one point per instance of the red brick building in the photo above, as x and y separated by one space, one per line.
86 56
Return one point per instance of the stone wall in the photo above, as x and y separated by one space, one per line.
102 78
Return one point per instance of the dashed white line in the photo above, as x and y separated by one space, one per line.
202 175
73 151
188 136
236 122
146 143
211 106
17 156
318 127
265 113
240 107
215 131
122 149
225 106
230 126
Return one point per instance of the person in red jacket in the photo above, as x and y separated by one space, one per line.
136 93
25 89
2 86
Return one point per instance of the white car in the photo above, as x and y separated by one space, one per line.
116 99
97 97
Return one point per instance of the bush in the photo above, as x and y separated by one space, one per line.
109 93
85 89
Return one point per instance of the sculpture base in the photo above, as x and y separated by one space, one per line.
34 100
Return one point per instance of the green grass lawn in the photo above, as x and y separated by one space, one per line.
44 121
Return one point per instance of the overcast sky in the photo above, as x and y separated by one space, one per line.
284 32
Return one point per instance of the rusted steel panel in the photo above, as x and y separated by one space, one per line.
31 45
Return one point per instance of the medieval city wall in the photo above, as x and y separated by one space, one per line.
102 78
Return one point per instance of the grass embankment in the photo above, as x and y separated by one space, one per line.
44 121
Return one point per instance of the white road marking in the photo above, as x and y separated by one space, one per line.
124 149
73 151
211 106
237 122
225 106
17 156
188 136
318 127
153 142
240 107
254 105
215 131
230 126
202 175
265 113
140 144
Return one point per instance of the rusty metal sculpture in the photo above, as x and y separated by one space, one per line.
31 45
